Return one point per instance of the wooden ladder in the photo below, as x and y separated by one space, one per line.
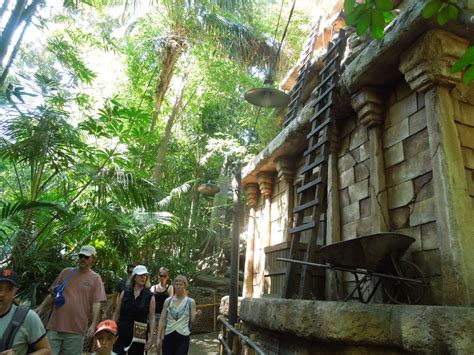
311 194
296 91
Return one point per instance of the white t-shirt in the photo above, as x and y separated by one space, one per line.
31 330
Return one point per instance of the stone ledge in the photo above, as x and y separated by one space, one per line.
407 327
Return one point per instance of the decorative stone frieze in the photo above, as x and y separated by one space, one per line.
286 169
428 61
265 183
368 105
251 191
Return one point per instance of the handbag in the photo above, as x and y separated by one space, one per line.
58 298
140 331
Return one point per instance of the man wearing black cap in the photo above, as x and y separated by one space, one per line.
31 333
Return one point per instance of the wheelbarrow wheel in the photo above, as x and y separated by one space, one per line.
405 291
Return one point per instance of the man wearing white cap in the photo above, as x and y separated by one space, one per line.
82 289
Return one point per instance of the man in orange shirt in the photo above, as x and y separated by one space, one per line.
83 290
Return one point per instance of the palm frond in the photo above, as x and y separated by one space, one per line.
177 191
8 209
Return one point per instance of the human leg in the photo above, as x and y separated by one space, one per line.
169 344
182 344
55 340
72 343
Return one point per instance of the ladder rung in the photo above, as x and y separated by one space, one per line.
318 128
316 146
329 64
325 81
330 50
309 185
303 227
313 165
324 94
317 114
305 206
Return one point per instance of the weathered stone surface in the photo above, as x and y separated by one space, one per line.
417 121
420 164
346 178
350 213
359 190
344 197
429 237
420 100
400 195
428 261
466 115
364 226
423 329
468 157
343 146
349 230
414 232
399 218
403 90
345 162
358 137
348 126
365 207
464 93
470 181
466 135
423 212
220 283
424 186
361 172
401 110
396 133
427 62
364 152
416 143
394 155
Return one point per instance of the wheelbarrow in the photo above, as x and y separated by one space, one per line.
376 257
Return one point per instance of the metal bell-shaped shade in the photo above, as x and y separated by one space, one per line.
267 97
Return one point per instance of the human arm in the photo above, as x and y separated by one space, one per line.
193 310
170 291
151 320
161 325
45 305
95 317
42 347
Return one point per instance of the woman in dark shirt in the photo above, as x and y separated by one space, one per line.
136 304
162 290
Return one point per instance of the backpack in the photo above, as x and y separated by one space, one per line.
12 328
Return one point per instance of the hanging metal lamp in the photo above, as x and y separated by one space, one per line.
209 189
267 96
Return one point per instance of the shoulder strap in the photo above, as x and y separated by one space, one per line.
13 327
63 284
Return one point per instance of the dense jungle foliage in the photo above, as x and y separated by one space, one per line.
112 115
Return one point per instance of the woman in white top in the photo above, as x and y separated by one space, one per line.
175 321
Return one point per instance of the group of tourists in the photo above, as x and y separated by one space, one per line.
79 292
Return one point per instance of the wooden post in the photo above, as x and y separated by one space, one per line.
214 312
236 341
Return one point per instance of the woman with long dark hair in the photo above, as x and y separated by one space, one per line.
136 307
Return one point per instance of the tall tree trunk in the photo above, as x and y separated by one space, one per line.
20 13
171 53
160 155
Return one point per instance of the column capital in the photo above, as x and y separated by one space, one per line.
427 62
286 168
251 191
265 182
368 104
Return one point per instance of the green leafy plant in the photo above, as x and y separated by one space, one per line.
444 11
372 15
465 63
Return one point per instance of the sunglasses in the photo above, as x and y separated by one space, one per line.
129 271
162 275
82 256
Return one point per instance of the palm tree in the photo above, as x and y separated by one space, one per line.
189 23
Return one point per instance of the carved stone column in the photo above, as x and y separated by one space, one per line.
265 183
369 107
426 67
251 191
286 172
333 217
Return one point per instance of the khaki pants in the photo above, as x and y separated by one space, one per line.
65 343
